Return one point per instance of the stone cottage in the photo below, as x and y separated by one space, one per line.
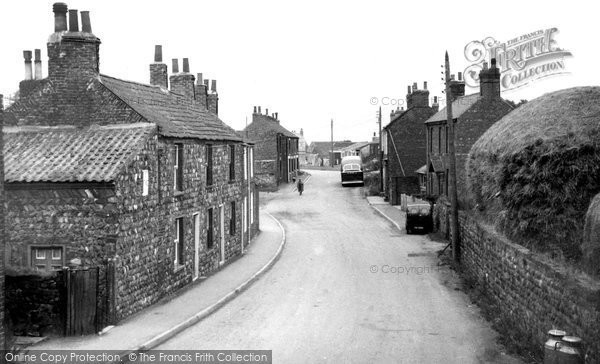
473 115
406 143
276 150
143 181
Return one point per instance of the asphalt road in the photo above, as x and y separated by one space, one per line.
349 288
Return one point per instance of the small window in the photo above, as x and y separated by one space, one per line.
232 219
145 182
178 241
209 165
430 140
232 162
47 258
178 167
209 230
446 138
440 139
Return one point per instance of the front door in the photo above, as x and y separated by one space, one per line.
196 246
222 232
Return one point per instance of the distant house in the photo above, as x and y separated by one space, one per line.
353 149
144 182
302 147
324 152
473 115
276 150
405 144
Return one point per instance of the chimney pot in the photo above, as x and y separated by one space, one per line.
206 84
158 53
213 86
60 17
254 110
199 79
425 85
435 101
175 65
414 86
38 64
267 112
493 62
86 25
186 65
485 65
260 112
277 117
28 71
460 76
73 21
409 90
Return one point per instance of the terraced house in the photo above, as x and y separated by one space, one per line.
142 181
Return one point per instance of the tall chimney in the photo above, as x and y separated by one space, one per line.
409 90
435 106
175 65
489 81
73 20
60 17
28 70
38 64
72 55
201 91
260 112
183 83
158 70
86 24
213 98
254 112
418 98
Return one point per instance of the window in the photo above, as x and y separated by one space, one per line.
446 180
245 163
209 165
47 258
178 241
446 138
232 162
145 182
430 140
178 167
439 139
251 162
209 230
232 219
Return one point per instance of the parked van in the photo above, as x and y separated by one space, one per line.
352 171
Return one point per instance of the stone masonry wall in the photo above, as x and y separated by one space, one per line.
530 294
146 270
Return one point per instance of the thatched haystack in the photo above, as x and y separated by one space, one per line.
535 171
591 238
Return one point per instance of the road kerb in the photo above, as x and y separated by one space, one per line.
387 217
161 338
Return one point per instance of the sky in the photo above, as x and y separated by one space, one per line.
310 61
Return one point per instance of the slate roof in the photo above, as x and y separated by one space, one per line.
355 146
324 148
175 115
70 154
459 107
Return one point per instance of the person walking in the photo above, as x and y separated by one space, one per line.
300 186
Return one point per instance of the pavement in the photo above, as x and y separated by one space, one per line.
163 320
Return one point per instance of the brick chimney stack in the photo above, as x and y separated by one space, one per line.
158 70
183 82
201 91
435 106
72 54
212 99
457 87
489 81
418 98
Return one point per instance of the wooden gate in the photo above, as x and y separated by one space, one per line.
79 301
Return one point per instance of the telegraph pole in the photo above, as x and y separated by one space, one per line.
380 153
332 156
452 171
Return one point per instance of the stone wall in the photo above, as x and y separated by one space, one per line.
265 174
145 269
530 294
32 304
